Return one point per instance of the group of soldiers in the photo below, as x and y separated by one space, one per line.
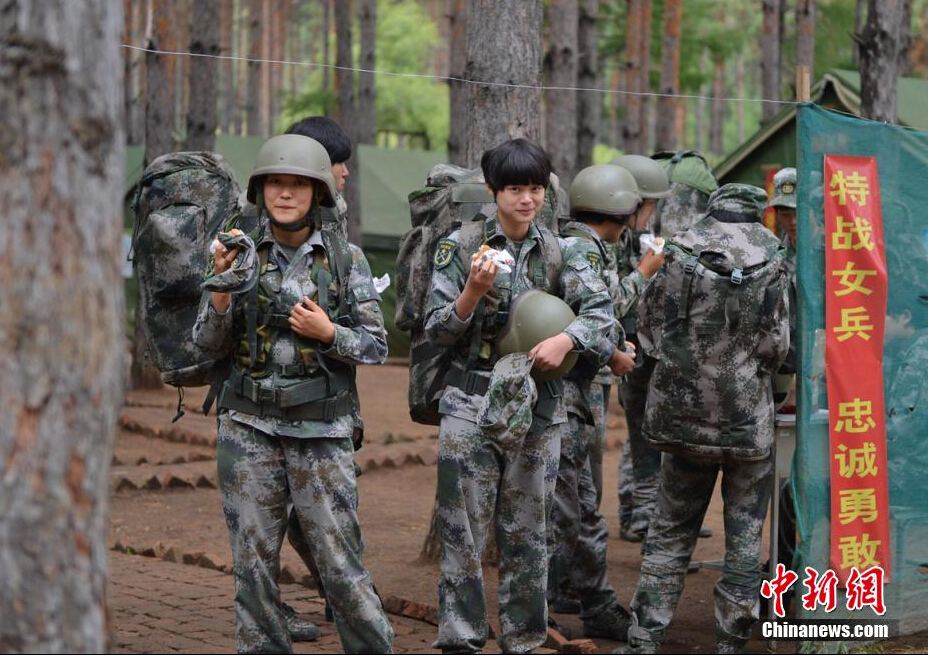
522 424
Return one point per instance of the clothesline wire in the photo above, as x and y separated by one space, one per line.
449 78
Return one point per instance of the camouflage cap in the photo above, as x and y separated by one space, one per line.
242 276
505 412
784 188
745 199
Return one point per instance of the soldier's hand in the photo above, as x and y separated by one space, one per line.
650 263
481 276
621 363
549 354
223 258
309 320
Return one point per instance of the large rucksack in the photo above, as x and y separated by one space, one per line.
181 202
718 335
453 198
691 184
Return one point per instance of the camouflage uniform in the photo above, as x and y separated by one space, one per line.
482 470
577 536
680 411
265 463
640 470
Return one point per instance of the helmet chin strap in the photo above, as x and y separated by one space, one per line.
296 226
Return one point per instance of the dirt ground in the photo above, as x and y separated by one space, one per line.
180 516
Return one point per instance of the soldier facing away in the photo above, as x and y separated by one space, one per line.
716 318
294 308
492 460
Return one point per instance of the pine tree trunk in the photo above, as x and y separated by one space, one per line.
326 36
589 103
264 103
860 19
561 104
615 102
253 94
243 68
457 93
201 120
503 44
61 318
739 106
348 113
367 129
226 72
180 37
716 138
631 131
644 81
770 58
667 136
884 49
805 35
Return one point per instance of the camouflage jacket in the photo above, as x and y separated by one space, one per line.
365 343
583 241
710 393
631 282
579 286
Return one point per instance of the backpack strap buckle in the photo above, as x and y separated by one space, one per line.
689 266
737 276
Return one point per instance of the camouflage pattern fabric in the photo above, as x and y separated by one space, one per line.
717 341
626 486
645 459
258 475
678 212
686 489
181 202
286 282
579 286
476 478
505 412
243 274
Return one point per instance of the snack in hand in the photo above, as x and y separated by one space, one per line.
650 242
501 258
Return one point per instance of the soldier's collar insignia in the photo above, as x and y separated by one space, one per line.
444 253
788 188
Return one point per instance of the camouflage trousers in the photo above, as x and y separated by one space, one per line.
475 480
626 487
685 491
577 532
259 475
645 460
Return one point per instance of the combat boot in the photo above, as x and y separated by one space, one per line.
300 629
611 623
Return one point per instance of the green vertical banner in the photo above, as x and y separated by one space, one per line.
901 156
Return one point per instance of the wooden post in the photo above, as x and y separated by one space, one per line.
803 84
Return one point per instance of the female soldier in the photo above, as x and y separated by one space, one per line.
285 426
507 469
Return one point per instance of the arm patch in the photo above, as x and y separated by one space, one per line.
444 253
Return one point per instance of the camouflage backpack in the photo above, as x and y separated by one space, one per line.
453 198
691 183
180 203
717 336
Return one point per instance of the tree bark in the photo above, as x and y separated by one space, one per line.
503 45
770 58
667 136
457 93
367 93
884 49
180 40
253 93
805 35
326 36
62 317
589 103
561 104
201 119
264 100
159 105
644 82
347 113
615 101
717 136
226 71
631 131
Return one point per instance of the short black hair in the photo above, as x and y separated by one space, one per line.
517 161
586 216
327 132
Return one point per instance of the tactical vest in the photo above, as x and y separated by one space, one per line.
315 388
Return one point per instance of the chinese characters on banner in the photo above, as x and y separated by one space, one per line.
855 310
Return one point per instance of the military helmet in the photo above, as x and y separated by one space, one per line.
784 189
651 177
605 189
293 154
739 199
533 317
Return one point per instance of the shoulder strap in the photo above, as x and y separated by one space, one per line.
552 259
340 267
